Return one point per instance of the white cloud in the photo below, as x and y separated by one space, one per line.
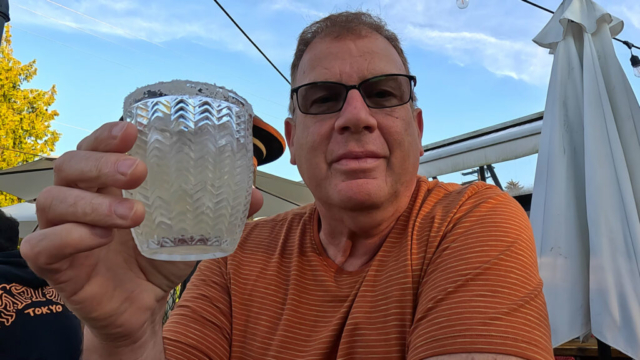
519 60
491 33
631 12
307 12
155 22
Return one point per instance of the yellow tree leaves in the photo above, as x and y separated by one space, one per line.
25 117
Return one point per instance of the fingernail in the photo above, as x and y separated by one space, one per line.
118 129
101 232
125 166
124 209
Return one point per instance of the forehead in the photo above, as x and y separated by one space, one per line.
348 59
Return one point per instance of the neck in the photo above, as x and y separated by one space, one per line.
352 238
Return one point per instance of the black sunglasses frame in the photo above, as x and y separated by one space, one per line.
412 79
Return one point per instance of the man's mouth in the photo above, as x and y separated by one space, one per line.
357 159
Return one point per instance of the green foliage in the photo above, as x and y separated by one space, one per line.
25 118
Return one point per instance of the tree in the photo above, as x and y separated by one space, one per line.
513 186
25 118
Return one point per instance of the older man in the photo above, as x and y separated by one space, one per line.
385 264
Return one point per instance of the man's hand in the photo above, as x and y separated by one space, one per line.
86 252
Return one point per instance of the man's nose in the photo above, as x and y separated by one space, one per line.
355 115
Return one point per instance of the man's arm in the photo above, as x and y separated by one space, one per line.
148 348
481 293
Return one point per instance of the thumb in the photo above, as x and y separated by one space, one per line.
256 201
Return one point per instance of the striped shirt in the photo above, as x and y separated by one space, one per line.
457 274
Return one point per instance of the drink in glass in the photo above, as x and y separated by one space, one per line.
196 141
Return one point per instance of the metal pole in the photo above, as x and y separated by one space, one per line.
482 175
4 15
604 351
494 177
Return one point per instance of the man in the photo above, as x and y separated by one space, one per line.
385 264
34 323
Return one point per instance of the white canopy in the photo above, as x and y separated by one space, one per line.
26 181
280 194
506 141
25 213
587 187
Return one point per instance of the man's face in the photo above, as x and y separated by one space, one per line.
358 158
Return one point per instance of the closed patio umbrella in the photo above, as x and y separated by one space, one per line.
586 195
4 15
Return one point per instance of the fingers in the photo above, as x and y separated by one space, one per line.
58 205
98 166
92 170
116 137
256 201
46 249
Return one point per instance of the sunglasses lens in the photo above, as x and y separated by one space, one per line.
386 91
321 98
378 93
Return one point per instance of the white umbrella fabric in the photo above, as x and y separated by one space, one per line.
586 195
25 213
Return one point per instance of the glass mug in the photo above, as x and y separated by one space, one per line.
196 141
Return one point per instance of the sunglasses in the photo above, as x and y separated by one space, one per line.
378 92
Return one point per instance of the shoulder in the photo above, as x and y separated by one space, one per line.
451 198
479 214
481 269
452 192
445 212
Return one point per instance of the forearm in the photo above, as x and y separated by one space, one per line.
148 348
143 344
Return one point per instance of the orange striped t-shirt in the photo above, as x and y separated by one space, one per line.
457 274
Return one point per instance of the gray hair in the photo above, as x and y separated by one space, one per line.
343 24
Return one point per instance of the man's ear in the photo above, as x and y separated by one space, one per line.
417 117
290 134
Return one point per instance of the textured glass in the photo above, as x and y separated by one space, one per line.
199 154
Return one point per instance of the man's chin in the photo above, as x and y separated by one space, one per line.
359 194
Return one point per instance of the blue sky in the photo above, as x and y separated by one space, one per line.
475 67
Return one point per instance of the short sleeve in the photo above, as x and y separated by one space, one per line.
199 327
481 292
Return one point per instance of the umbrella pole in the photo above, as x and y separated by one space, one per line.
604 351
